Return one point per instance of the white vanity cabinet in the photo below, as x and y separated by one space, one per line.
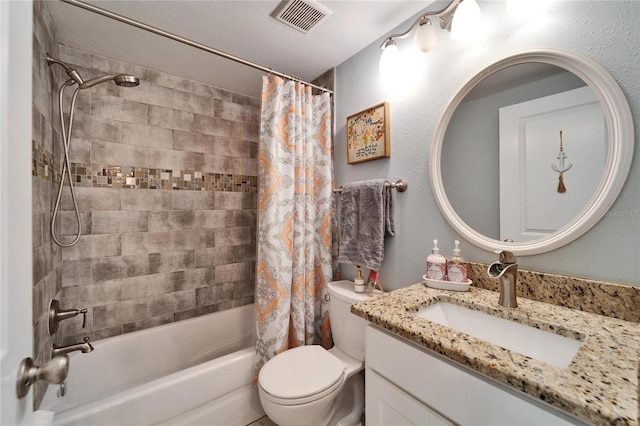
410 385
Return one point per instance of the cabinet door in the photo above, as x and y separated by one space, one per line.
459 393
387 404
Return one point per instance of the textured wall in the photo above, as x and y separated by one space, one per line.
604 31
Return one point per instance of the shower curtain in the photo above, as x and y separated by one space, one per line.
295 219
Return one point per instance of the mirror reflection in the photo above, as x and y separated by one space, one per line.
524 152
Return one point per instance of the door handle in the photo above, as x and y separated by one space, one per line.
54 371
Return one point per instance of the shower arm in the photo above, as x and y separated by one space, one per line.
71 72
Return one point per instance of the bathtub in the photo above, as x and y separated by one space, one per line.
193 372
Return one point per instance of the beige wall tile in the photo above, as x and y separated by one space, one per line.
143 135
116 108
148 256
170 118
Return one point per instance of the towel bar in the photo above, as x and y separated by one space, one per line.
400 185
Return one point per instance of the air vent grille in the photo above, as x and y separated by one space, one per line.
302 15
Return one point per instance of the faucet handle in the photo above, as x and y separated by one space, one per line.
507 257
56 314
83 311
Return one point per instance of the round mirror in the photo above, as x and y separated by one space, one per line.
533 150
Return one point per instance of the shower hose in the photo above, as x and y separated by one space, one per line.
66 168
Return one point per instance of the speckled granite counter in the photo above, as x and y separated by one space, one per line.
600 385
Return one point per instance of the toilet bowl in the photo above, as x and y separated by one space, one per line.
309 385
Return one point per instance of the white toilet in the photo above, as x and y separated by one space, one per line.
310 385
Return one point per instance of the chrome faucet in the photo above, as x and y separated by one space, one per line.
506 270
84 347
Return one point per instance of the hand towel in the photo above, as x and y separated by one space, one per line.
366 217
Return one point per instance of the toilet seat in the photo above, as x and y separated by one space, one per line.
301 375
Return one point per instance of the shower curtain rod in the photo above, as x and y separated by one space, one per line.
186 41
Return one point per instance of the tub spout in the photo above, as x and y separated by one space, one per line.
84 347
506 271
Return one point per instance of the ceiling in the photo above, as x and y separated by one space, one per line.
242 28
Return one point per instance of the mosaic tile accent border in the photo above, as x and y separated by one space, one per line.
131 177
43 165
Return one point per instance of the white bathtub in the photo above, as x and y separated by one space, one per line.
193 372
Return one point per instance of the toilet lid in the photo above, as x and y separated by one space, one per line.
300 372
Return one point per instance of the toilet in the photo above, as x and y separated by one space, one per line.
309 385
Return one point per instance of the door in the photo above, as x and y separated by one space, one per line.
15 205
389 405
536 199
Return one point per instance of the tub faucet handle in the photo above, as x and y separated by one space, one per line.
83 311
56 314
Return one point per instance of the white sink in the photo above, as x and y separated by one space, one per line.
538 344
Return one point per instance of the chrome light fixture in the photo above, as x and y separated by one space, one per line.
467 22
461 17
390 58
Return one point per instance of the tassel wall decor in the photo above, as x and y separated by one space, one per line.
561 167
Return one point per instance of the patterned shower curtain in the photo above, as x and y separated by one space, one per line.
295 219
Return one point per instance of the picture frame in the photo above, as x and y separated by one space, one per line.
368 134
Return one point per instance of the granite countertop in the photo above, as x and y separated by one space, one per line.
600 385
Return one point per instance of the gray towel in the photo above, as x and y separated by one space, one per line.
366 217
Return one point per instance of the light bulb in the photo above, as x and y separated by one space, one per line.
467 21
390 59
425 38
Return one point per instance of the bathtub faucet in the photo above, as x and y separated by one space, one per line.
84 347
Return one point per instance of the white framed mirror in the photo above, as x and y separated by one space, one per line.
470 193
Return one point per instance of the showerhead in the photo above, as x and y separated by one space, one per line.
125 80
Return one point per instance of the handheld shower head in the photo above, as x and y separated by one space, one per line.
124 80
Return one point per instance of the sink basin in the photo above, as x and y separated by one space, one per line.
538 344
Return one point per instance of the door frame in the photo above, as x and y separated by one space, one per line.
16 247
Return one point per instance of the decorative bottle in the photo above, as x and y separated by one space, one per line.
358 283
456 266
436 264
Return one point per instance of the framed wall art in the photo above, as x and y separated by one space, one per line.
368 134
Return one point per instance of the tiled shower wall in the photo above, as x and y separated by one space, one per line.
166 180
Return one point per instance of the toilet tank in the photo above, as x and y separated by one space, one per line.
347 329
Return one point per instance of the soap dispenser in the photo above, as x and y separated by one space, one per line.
436 264
456 266
358 282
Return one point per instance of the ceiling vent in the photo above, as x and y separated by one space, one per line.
302 15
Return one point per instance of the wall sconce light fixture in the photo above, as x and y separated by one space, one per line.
461 17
